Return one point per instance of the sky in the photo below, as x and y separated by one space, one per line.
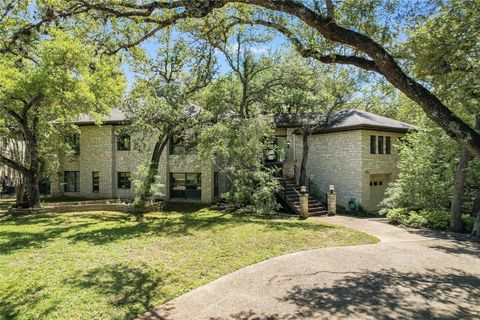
276 43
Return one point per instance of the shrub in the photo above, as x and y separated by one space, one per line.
437 219
415 220
468 222
396 216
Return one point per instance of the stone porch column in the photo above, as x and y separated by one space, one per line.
332 201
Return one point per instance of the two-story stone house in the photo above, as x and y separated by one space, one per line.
355 152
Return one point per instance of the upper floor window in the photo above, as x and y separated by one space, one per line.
380 144
178 145
373 144
123 142
73 140
124 180
388 145
71 180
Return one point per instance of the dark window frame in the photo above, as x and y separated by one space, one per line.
124 142
73 140
124 180
189 190
373 144
95 182
388 145
76 184
381 144
215 183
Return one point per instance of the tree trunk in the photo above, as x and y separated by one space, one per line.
382 62
303 166
476 202
153 168
19 194
456 223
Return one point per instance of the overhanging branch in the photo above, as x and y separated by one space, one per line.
305 52
13 164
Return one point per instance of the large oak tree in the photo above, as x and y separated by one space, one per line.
316 28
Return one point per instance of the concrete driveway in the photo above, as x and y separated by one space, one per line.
409 274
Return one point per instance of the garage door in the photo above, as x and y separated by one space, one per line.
378 185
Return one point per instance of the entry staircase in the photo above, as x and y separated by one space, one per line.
290 194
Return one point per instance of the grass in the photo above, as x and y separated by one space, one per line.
108 265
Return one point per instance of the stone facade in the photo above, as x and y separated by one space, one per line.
343 159
98 153
339 158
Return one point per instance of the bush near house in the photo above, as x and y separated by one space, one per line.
435 219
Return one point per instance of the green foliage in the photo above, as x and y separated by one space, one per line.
468 222
396 216
427 163
437 219
237 146
446 54
139 178
415 220
61 79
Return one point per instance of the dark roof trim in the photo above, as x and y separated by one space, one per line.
92 123
360 127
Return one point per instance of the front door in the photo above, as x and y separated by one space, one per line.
378 185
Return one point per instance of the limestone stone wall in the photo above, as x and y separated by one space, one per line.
335 158
374 164
98 152
344 160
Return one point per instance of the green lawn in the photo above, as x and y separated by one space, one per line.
104 265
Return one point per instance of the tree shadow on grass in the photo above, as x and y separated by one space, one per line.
83 226
11 302
11 241
184 224
129 287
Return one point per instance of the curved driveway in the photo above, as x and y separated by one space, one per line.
409 274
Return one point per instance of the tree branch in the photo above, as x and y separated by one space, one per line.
305 52
330 9
13 164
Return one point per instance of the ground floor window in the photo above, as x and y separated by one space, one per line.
124 180
215 184
71 180
186 185
95 181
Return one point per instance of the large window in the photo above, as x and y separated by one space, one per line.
186 185
73 140
178 145
380 144
373 144
95 181
124 180
123 142
71 180
388 145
